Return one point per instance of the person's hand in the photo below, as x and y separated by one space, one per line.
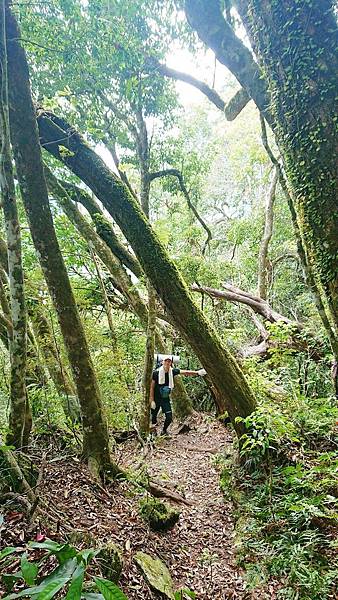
202 372
153 405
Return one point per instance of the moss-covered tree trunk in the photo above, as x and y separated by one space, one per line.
103 227
120 277
33 187
19 416
296 47
294 84
222 368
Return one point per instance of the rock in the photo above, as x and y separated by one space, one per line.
158 515
82 539
110 559
156 574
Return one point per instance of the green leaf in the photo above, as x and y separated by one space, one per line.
87 555
109 590
50 585
90 596
47 545
7 551
75 588
63 552
66 552
184 593
29 570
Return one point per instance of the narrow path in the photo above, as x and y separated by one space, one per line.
200 549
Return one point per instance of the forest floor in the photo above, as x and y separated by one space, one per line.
199 551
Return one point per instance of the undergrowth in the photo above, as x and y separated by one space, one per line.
285 489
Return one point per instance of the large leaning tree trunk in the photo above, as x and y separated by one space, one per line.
34 192
222 368
120 277
19 416
293 83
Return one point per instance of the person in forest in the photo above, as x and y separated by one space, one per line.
161 385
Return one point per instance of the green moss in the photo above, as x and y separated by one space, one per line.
158 515
110 560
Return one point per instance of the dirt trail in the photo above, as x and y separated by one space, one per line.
199 550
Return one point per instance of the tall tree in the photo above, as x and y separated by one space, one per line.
34 192
19 417
293 83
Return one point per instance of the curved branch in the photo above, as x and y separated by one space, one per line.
231 109
206 17
258 305
176 173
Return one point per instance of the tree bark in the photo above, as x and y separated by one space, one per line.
33 187
297 53
267 235
308 272
19 416
103 227
223 370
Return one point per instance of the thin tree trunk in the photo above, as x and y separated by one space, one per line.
46 341
19 417
143 155
103 227
223 370
264 246
148 359
33 187
106 303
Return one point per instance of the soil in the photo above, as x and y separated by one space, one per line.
199 551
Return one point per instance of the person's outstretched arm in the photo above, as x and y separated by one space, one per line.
200 372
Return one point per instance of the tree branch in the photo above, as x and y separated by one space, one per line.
230 110
258 305
206 17
176 173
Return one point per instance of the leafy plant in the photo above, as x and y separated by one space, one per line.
68 575
285 491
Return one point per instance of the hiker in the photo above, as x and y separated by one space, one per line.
161 385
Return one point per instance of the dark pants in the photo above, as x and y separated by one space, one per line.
164 404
